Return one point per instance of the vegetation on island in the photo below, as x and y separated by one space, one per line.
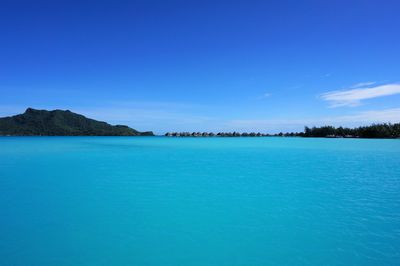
61 123
373 131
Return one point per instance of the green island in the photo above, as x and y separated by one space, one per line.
61 123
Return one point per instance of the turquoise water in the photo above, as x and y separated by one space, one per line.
199 201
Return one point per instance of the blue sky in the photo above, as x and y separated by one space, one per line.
204 65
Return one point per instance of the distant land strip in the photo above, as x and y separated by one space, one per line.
386 130
35 122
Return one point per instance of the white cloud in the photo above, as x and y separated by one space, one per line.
358 93
362 84
264 96
368 117
357 119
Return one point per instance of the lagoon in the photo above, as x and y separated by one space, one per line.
199 201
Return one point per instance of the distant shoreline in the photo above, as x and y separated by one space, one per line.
163 136
375 131
275 136
35 122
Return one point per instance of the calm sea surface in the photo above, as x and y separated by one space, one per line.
199 201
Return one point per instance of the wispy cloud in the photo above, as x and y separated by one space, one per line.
362 118
265 95
362 85
375 116
327 75
359 92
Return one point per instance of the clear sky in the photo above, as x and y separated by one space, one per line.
204 65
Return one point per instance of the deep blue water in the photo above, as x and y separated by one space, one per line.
199 201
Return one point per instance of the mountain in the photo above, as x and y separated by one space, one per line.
61 123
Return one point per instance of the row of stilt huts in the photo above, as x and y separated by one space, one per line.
211 134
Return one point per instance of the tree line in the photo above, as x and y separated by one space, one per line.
385 130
